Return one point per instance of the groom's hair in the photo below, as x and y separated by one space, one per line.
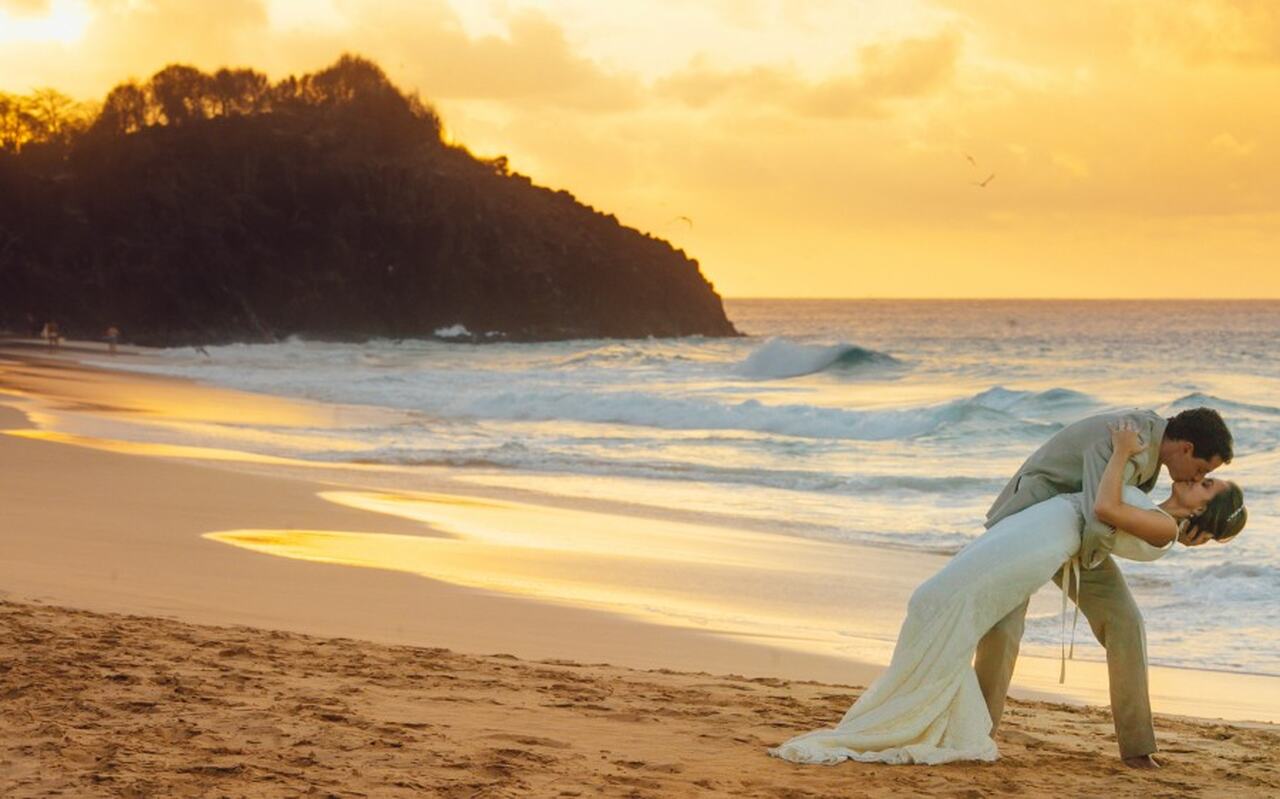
1206 431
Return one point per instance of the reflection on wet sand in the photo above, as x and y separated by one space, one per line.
154 449
82 388
728 580
804 595
97 404
53 401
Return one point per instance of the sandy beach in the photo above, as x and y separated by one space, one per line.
147 657
114 705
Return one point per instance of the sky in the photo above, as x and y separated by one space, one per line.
816 148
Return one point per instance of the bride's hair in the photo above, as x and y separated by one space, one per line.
1225 515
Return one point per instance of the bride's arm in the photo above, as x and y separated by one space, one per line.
1095 462
1151 526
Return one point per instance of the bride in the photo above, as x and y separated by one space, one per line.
927 707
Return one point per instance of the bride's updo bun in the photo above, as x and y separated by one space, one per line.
1225 515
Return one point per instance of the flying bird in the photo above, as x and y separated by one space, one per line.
970 159
983 184
684 219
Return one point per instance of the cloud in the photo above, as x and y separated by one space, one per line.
20 8
909 68
532 63
140 38
1198 32
1228 145
1241 32
1084 31
421 44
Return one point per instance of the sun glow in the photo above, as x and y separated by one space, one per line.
65 22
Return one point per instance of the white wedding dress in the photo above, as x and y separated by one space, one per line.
927 707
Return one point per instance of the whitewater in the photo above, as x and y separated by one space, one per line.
881 423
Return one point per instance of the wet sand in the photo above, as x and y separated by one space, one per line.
111 526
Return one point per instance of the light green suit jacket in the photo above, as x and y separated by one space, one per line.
1072 462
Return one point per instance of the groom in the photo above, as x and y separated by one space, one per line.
1189 445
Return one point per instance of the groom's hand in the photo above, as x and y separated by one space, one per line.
1193 537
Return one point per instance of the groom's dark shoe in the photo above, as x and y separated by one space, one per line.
1142 761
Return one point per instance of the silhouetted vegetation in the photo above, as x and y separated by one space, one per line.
203 207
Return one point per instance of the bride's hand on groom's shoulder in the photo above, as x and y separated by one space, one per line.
1125 438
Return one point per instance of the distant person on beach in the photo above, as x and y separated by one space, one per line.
113 338
1078 500
51 335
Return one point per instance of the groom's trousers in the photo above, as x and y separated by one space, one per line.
1106 602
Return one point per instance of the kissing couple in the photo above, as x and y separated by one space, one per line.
1078 503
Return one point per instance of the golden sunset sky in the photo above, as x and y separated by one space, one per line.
818 146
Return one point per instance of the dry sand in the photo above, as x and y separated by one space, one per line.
154 704
111 705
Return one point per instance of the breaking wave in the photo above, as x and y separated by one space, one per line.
779 358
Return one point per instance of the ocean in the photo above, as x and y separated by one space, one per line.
889 424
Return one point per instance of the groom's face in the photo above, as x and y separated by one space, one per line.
1183 465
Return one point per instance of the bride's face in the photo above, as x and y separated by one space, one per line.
1194 495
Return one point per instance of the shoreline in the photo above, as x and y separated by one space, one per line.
277 496
132 542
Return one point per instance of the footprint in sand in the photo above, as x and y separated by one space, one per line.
1022 738
665 768
530 740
